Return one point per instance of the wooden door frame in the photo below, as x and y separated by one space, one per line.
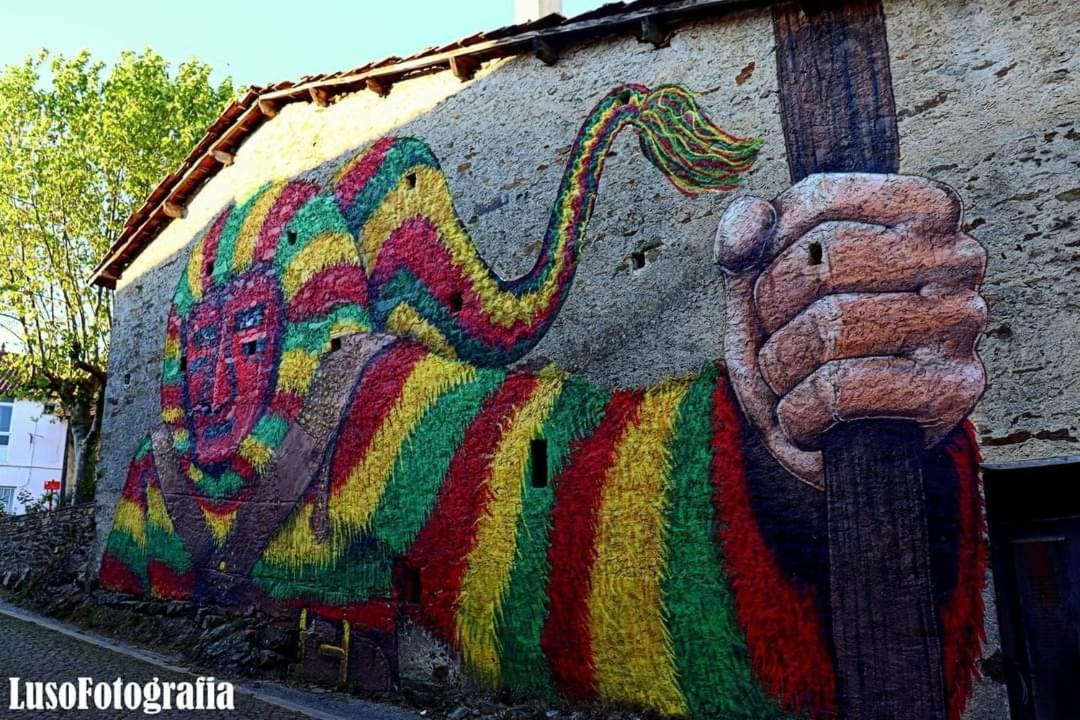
1018 495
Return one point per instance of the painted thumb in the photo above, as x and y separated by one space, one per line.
742 232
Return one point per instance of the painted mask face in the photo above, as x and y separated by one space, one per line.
231 348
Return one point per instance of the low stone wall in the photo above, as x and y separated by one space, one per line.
46 550
47 564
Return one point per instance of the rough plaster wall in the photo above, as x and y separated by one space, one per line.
619 326
504 176
987 102
132 399
986 94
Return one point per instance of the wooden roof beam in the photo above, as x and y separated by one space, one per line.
464 67
268 107
501 47
223 157
174 210
654 30
380 85
545 51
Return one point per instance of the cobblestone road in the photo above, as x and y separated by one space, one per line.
31 652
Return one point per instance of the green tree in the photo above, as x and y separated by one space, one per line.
81 146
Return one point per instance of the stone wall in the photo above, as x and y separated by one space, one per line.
47 552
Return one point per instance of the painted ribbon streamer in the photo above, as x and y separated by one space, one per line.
427 279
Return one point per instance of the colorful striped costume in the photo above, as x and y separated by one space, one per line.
638 546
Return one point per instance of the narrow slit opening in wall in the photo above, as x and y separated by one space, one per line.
411 591
538 453
410 180
456 302
290 236
250 347
815 253
335 344
183 363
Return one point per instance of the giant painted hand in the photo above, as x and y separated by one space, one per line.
851 296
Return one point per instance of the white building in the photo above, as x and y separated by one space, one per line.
31 450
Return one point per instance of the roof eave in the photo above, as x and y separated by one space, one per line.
649 19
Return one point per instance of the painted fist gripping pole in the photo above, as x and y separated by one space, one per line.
343 434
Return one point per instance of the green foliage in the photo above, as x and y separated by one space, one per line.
30 505
81 146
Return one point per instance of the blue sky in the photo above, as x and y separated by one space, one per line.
255 42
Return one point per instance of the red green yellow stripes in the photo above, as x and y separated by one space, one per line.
124 564
784 633
639 574
520 621
634 659
356 498
406 419
566 638
425 459
441 550
297 545
487 575
689 149
169 563
713 664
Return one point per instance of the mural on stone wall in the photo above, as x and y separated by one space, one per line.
343 434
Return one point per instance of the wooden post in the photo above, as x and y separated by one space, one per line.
379 85
838 115
654 31
545 51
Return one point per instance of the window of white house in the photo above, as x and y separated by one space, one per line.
6 407
7 499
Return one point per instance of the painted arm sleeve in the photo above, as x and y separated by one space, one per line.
124 564
774 535
143 554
